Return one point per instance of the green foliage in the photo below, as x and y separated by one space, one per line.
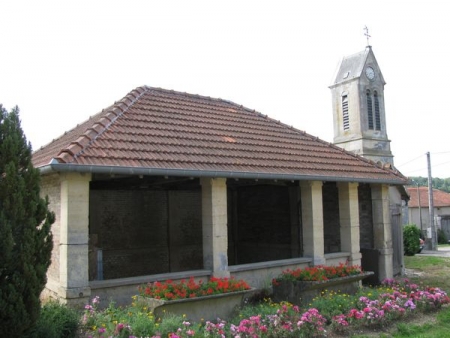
142 325
265 307
411 239
437 183
56 321
332 303
442 237
25 236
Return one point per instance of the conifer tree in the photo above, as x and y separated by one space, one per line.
25 230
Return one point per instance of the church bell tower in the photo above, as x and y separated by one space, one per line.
358 108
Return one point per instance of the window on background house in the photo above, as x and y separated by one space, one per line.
369 109
345 116
377 112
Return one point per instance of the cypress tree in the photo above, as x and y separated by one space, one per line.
25 230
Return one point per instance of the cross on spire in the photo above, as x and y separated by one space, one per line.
366 33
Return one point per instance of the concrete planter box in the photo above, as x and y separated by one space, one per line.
302 293
200 308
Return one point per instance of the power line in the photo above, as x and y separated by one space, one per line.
418 157
424 168
436 165
410 161
441 152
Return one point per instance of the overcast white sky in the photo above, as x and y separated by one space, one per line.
63 61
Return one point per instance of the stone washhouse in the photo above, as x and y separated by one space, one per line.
168 185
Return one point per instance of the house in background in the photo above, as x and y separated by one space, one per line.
418 209
168 185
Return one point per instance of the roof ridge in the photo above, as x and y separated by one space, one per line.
105 120
362 52
204 97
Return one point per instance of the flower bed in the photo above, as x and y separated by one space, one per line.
372 309
300 286
217 298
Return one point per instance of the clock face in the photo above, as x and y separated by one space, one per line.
370 73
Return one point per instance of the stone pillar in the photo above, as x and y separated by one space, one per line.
74 236
382 232
214 223
349 220
312 221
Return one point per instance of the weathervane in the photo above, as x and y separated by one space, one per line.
366 30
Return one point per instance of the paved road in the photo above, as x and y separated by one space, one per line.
441 252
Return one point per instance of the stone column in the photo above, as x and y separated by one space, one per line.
214 223
312 221
349 220
382 232
74 236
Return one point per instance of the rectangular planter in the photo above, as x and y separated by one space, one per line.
302 293
201 308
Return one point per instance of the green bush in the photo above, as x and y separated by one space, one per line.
56 321
442 237
25 230
411 239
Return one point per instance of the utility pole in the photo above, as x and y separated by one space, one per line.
431 206
420 209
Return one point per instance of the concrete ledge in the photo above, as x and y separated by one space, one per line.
268 264
111 283
337 255
71 293
388 251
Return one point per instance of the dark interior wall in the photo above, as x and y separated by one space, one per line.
185 230
144 231
259 223
156 227
365 216
331 224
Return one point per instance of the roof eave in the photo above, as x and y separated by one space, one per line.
120 170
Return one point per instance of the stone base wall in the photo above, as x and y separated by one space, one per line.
50 186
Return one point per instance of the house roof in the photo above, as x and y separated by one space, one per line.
152 131
440 198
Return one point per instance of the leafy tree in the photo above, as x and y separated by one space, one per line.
411 239
25 234
442 237
437 183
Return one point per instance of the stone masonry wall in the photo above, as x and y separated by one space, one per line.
50 186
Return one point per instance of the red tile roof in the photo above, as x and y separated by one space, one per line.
154 130
440 198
